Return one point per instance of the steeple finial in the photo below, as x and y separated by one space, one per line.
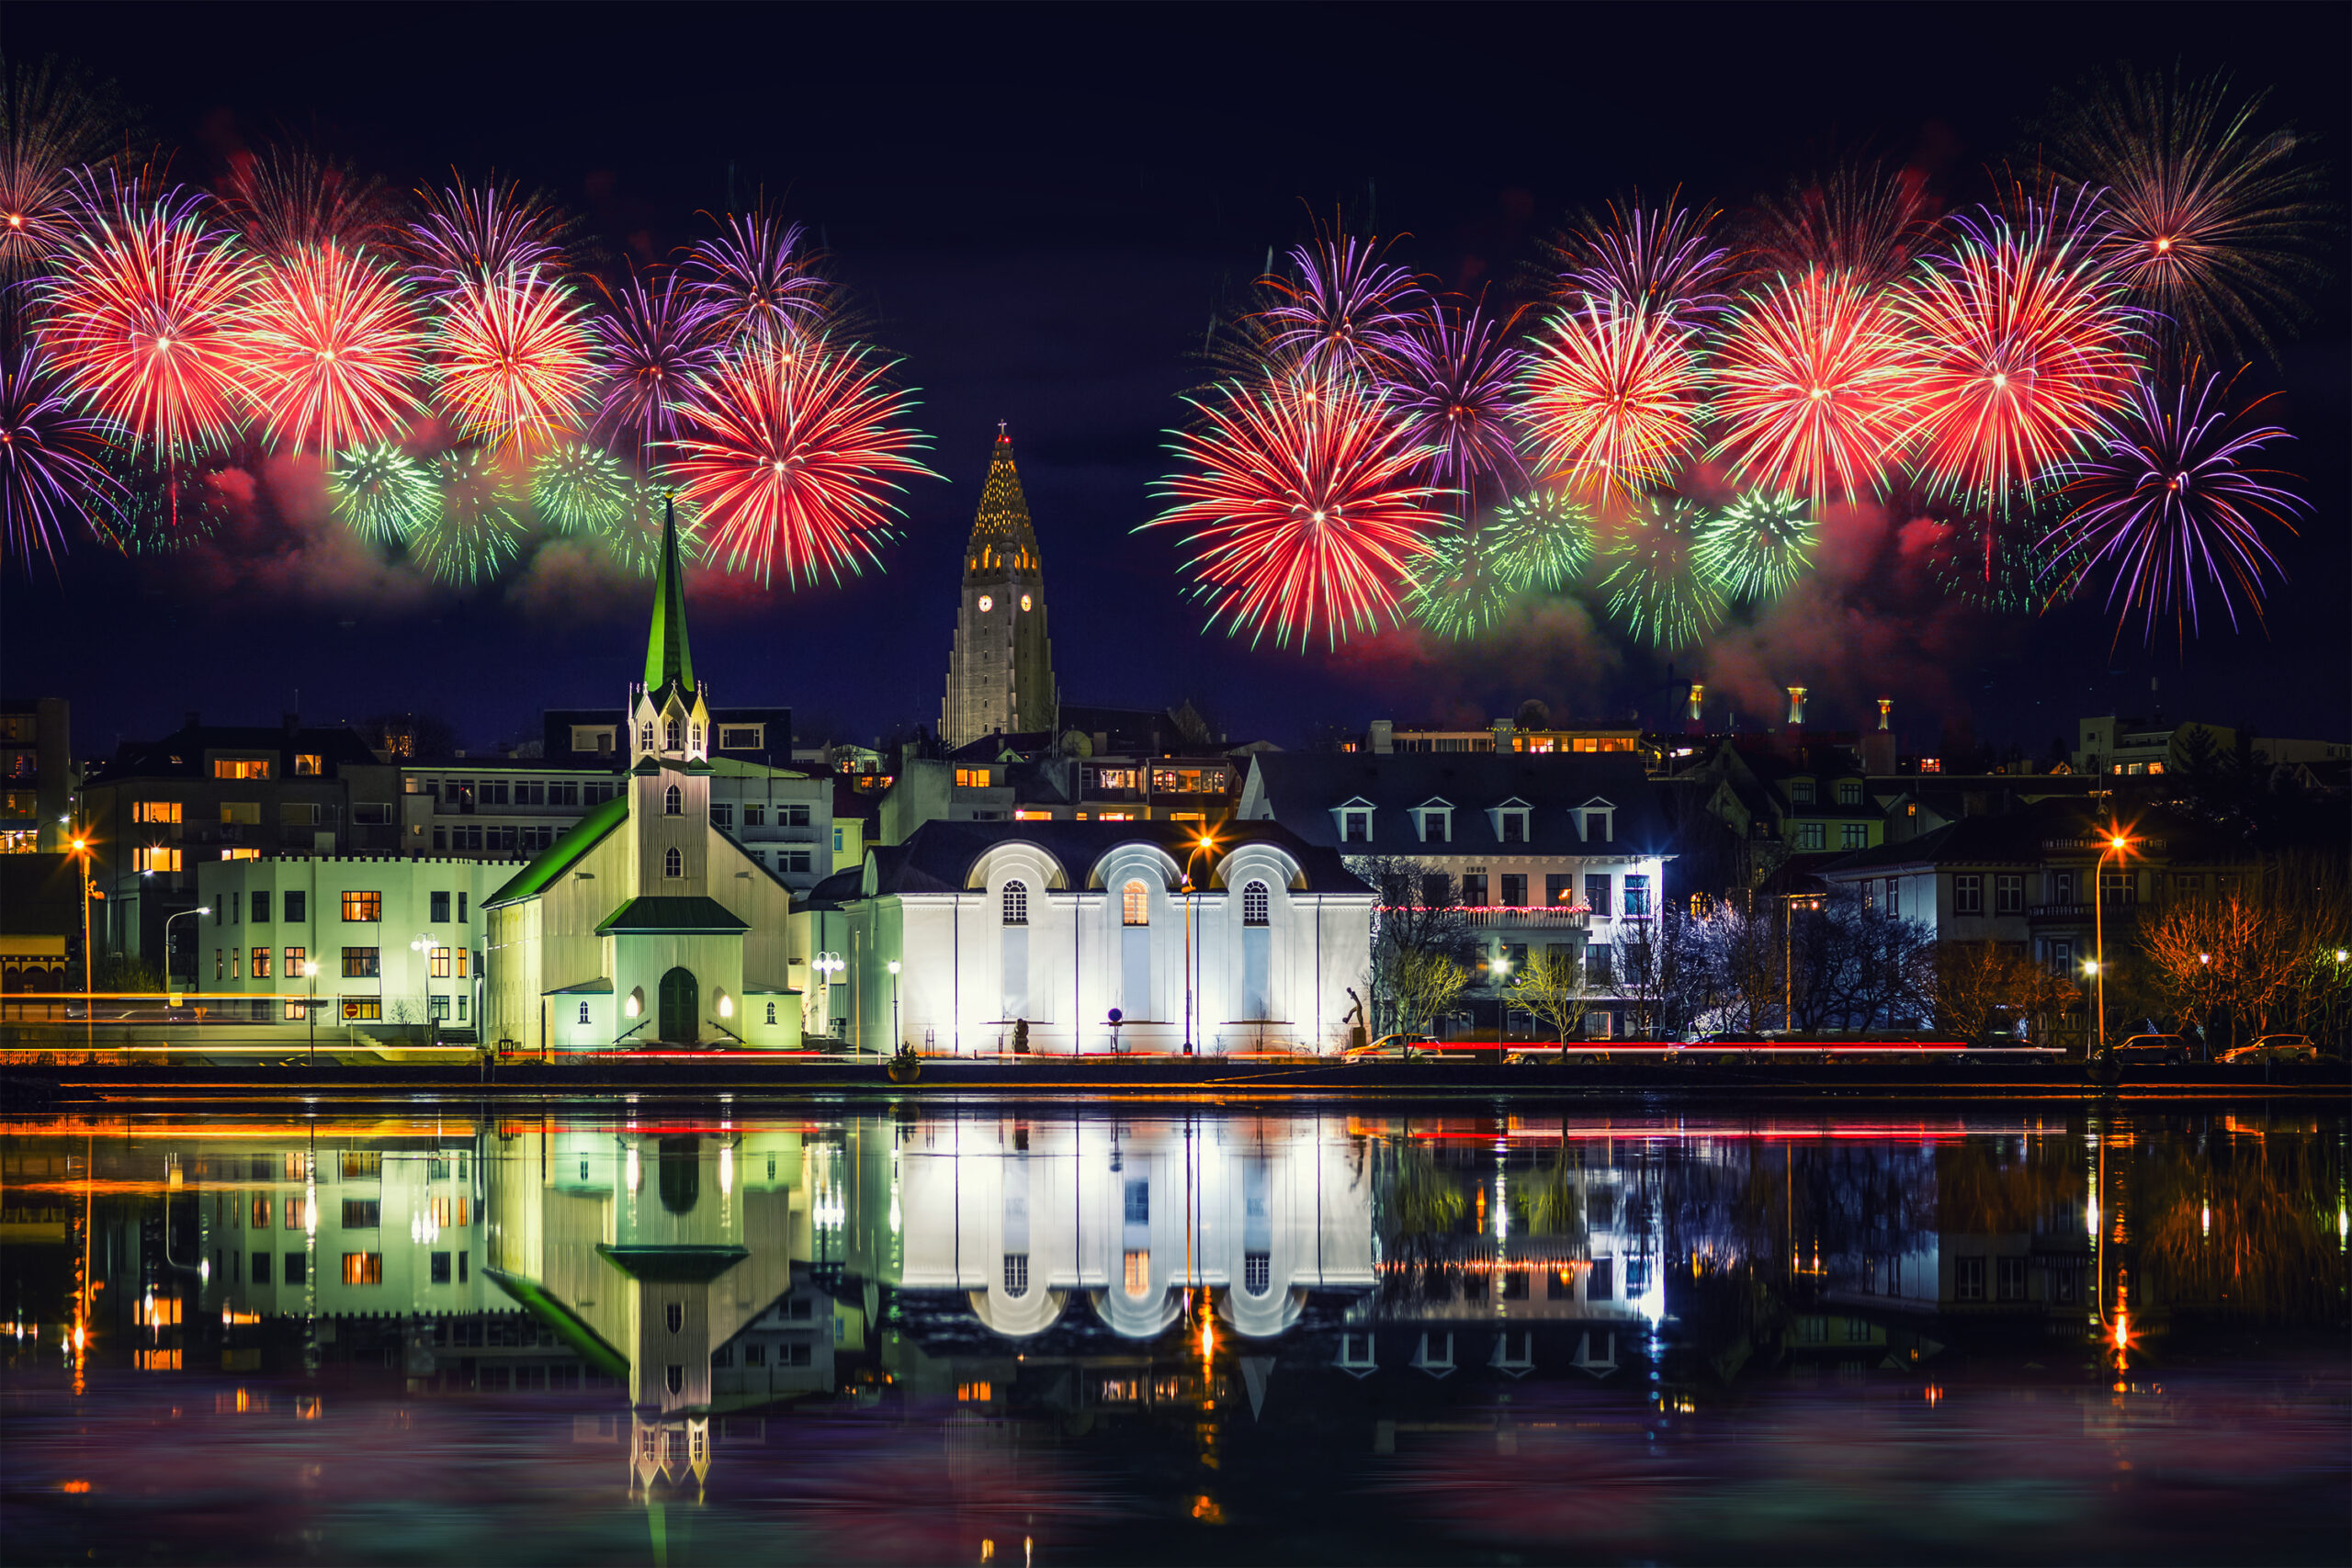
667 658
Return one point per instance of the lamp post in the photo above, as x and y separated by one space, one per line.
89 997
200 909
895 1041
310 1008
1191 978
1499 967
2116 844
1789 954
423 948
827 966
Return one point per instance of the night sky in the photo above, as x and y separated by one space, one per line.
1040 209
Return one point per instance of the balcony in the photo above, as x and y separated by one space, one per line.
2081 914
1537 917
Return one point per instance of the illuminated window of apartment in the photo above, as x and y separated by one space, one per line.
452 1212
1135 905
241 768
308 764
973 1393
157 857
157 811
971 778
1115 816
362 963
363 906
1135 1275
260 963
241 854
363 1010
1033 817
360 1164
363 1268
1584 743
439 961
260 1211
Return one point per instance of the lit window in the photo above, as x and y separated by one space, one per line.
1033 817
440 960
157 811
308 764
260 970
1017 904
157 857
363 906
1135 1275
363 1268
362 1010
241 768
1135 905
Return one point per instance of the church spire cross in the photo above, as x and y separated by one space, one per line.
667 658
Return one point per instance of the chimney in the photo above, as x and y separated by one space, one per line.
1886 713
1692 723
1796 707
1878 746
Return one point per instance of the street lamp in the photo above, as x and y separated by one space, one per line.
1499 967
895 1041
1191 975
2116 844
1789 956
310 1008
184 914
827 966
89 999
423 948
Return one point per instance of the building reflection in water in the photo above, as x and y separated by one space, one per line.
1083 1274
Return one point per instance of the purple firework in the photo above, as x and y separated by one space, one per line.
50 477
1347 310
1661 258
756 280
480 232
2170 504
657 339
1454 383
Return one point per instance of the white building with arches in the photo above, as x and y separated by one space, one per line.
1254 940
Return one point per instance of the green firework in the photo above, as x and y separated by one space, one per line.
1455 589
383 493
576 488
1654 585
2019 577
478 528
1756 548
635 536
1541 540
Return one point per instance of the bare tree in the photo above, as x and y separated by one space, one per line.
1975 981
1420 914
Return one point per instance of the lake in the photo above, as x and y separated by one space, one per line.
679 1333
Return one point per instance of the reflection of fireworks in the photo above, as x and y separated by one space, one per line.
482 233
330 348
2211 226
141 314
50 477
1658 261
1654 587
2025 346
1453 386
1813 386
754 281
383 493
794 455
576 488
656 341
2169 503
1347 310
514 358
1612 398
1303 505
478 528
1541 540
1456 589
1757 548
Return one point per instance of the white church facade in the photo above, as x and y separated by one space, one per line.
1099 937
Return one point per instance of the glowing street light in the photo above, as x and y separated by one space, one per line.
893 967
2116 844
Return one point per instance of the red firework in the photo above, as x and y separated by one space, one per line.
793 455
1303 506
332 348
141 312
1612 397
516 357
1813 386
2026 348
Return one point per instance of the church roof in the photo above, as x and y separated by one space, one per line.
667 657
1002 539
562 855
657 916
938 857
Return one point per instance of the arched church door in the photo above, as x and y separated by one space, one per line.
681 1008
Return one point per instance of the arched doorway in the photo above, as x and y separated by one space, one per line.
680 1016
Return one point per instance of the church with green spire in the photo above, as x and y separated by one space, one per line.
1000 668
645 925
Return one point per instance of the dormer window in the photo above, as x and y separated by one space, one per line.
1850 792
1512 821
1353 819
1433 820
1801 792
1597 821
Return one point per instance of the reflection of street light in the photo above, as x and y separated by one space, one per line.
310 1008
894 1005
1192 976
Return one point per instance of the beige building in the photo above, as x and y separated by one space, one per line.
1001 670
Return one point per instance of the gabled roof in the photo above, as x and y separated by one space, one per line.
685 914
1303 788
564 853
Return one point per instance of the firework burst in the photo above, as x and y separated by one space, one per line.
1611 399
51 479
576 488
1455 589
515 359
1756 548
482 234
1541 540
385 495
331 349
51 122
141 312
1866 221
755 281
1303 506
1812 388
2026 347
634 539
2171 503
1659 262
475 529
1653 586
657 340
289 198
1343 310
795 455
1453 386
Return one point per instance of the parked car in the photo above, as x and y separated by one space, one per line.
2151 1051
1392 1048
2275 1048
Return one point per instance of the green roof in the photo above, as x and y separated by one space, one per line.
667 657
560 857
655 915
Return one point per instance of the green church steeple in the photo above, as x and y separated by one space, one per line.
667 658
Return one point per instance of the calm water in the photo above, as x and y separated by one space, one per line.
692 1334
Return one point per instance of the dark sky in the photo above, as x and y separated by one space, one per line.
1041 209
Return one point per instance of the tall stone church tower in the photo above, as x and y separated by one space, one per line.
1000 669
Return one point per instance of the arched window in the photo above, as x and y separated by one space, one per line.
697 736
674 1314
645 736
1253 904
583 1012
670 732
1016 1273
1135 905
771 1012
672 803
1017 904
672 864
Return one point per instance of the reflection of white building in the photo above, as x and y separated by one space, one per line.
1032 1222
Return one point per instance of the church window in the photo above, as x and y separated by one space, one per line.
1016 1273
1017 904
771 1020
645 736
669 735
583 1017
1253 904
672 864
1135 904
674 1314
672 803
697 736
